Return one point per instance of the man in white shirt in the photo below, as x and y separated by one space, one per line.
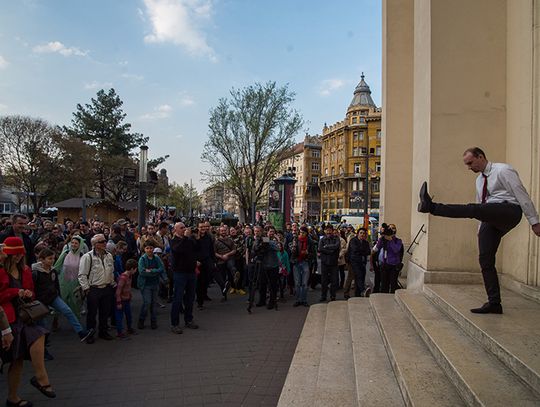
501 200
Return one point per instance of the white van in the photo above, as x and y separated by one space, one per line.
356 221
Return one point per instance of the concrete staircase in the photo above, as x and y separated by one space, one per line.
417 349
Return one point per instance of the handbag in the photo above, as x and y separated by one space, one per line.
30 312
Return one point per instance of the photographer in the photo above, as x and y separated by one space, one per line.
265 249
390 254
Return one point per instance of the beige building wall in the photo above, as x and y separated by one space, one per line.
476 81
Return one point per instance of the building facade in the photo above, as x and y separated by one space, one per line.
304 163
351 158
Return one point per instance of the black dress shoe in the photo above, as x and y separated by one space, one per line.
105 336
425 200
488 308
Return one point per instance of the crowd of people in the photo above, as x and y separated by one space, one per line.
90 269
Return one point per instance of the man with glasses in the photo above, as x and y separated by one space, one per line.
96 277
501 199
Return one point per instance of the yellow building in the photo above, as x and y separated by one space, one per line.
347 148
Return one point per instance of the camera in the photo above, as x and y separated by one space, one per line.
386 230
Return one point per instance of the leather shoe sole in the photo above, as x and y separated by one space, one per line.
425 200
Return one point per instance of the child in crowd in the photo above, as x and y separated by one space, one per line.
150 270
123 300
47 290
284 269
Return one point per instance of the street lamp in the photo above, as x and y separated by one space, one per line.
143 179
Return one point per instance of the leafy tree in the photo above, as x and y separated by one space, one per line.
248 135
179 196
101 124
31 157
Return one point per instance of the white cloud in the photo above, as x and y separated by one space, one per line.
187 101
176 21
132 76
160 112
58 47
328 86
97 85
3 62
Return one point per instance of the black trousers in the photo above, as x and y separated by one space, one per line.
99 299
329 274
268 278
497 220
389 278
203 279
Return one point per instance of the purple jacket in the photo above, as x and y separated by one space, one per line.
392 253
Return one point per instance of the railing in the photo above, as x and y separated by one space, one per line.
414 242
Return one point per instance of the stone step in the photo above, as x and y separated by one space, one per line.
336 385
301 382
513 337
481 379
420 378
376 384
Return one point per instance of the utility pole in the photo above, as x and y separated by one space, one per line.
143 179
83 203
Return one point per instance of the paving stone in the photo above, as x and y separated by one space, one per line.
214 365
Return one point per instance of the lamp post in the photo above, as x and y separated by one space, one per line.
143 179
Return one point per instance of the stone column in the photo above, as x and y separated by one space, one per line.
397 91
459 102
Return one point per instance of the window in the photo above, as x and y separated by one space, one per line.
354 120
363 150
372 151
333 171
378 167
326 171
379 134
357 168
362 120
340 203
364 112
355 151
355 136
5 208
341 172
378 151
316 153
315 166
375 186
315 180
361 136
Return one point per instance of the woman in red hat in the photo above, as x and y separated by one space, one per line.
29 340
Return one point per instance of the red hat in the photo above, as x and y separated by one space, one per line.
13 245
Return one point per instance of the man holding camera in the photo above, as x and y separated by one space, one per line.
329 247
390 255
265 249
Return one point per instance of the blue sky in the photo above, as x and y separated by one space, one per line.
171 60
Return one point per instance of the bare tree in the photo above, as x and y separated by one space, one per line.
30 156
248 135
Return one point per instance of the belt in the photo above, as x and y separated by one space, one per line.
99 286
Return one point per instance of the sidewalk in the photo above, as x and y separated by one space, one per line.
234 359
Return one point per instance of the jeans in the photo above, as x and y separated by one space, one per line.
184 292
119 313
99 299
301 277
497 220
149 295
59 305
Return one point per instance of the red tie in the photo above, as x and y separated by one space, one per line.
484 189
